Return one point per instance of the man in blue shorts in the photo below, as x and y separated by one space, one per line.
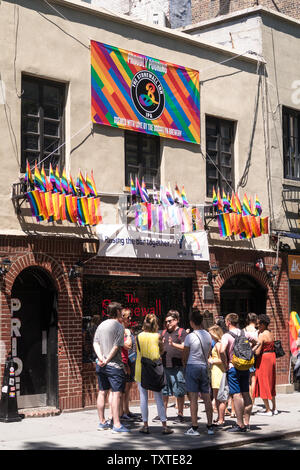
238 381
173 338
108 341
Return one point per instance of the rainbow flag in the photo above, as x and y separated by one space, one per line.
233 206
57 180
55 204
247 225
91 211
224 225
97 210
70 212
294 327
169 195
91 184
28 175
62 206
52 178
156 196
37 179
220 203
144 191
46 182
226 203
49 203
72 186
83 210
35 204
258 206
238 204
264 225
64 182
183 197
85 190
246 207
178 193
255 226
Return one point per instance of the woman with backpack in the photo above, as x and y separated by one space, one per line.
265 374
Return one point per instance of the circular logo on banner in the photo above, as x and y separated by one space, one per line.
147 94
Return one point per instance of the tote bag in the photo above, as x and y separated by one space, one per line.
152 373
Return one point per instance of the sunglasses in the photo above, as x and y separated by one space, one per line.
169 321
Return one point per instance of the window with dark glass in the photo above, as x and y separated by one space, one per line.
42 110
291 143
142 158
219 155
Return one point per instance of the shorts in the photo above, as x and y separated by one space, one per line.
196 378
238 380
175 383
110 377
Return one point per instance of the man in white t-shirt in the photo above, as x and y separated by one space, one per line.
238 381
197 347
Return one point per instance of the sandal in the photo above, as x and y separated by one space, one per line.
232 415
168 431
144 430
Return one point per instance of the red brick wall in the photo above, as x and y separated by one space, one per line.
77 381
208 9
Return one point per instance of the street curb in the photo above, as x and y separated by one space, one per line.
243 442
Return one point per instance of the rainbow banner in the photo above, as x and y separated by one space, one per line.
136 92
294 327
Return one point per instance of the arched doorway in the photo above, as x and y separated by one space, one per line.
242 294
34 338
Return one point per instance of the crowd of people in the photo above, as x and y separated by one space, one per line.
197 363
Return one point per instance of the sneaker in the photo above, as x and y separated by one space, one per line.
192 432
275 412
120 429
157 418
178 419
237 428
127 418
248 428
210 429
264 413
103 426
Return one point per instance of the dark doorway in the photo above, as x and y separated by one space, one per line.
242 294
34 338
142 296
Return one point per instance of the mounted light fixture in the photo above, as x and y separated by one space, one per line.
5 265
76 270
260 265
274 271
212 273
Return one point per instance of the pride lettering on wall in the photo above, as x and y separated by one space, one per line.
136 92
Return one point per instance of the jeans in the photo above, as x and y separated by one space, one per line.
144 404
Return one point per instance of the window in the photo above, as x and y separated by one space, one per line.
142 158
42 122
291 143
219 150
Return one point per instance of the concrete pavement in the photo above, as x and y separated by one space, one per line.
78 431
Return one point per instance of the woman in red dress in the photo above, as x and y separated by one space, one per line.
265 373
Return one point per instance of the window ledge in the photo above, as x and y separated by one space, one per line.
288 182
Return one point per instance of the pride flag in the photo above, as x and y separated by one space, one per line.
224 225
28 175
37 179
52 178
183 197
226 203
246 207
238 204
258 206
294 327
264 225
57 180
64 182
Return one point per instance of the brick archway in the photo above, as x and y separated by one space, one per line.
242 269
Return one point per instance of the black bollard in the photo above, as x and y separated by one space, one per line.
8 403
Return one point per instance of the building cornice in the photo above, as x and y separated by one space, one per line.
239 14
174 34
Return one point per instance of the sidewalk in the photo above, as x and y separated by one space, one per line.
78 431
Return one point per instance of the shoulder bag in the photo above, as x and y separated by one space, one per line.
152 373
279 352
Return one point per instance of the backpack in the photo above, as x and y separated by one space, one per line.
243 356
179 333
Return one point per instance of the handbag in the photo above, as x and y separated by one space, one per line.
279 352
152 373
223 392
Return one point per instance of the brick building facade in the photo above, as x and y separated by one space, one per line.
207 9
